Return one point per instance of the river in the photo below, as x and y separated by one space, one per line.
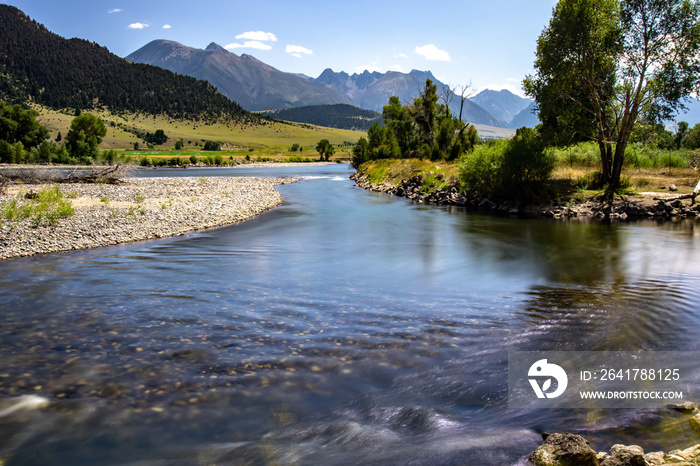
343 327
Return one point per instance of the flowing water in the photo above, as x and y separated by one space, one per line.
343 327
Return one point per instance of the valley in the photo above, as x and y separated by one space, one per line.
270 138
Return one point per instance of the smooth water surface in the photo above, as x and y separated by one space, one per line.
343 327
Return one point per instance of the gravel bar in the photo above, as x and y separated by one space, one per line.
138 209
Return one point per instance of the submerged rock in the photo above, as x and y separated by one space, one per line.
695 423
684 407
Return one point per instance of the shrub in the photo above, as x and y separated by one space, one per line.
514 169
526 165
480 172
46 208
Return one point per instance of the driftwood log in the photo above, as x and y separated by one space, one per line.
109 175
692 195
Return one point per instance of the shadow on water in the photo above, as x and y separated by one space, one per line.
343 327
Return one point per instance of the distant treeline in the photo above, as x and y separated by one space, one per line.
341 116
37 65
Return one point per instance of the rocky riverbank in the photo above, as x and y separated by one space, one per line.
137 209
564 449
643 207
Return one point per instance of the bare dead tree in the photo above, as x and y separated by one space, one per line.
465 92
447 95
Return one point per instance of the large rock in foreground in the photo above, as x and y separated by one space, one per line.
565 450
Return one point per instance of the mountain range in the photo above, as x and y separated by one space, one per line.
257 86
244 79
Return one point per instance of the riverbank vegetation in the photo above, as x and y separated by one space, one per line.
574 175
424 128
44 207
604 67
606 74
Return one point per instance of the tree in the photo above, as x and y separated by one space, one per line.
360 153
325 149
601 64
692 140
212 145
20 125
682 131
85 134
178 144
398 120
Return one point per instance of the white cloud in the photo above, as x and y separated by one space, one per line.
138 26
114 10
397 68
249 44
167 26
401 55
430 52
298 51
257 36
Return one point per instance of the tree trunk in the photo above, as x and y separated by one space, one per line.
606 158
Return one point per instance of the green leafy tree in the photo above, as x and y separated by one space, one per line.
601 64
325 149
424 128
19 125
681 133
692 140
399 121
212 145
360 153
178 144
86 133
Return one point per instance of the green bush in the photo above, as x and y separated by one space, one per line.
515 169
480 171
46 208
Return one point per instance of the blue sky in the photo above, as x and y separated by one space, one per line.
491 44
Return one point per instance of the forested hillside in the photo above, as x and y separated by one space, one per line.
38 65
340 116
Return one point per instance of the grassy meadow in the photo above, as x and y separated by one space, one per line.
271 140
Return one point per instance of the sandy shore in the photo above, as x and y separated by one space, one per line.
136 210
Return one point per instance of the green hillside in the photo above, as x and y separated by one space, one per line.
340 116
39 66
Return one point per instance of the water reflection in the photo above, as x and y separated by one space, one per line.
343 326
